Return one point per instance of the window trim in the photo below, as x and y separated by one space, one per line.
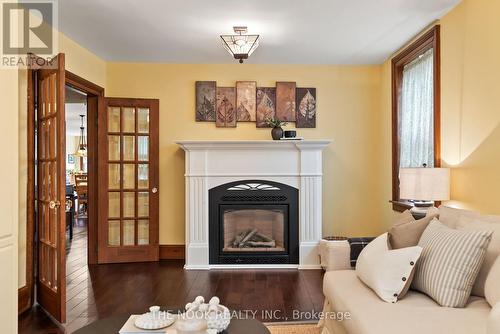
429 40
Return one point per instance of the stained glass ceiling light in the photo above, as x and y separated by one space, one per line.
240 46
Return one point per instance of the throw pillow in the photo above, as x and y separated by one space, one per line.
404 217
449 263
387 272
484 223
491 287
407 234
450 216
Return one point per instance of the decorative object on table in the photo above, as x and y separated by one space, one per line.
205 101
211 316
129 327
226 107
246 100
266 105
290 134
306 108
423 186
276 124
285 101
334 253
154 319
240 45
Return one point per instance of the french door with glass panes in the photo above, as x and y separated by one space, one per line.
49 106
128 180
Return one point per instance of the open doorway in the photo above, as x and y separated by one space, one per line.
77 194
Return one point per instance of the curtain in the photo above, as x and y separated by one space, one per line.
416 123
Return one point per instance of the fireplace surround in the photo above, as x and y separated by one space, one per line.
253 222
213 163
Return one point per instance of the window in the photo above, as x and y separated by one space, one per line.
415 109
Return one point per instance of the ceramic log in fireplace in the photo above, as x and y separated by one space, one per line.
253 222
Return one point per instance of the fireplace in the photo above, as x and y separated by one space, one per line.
291 168
253 222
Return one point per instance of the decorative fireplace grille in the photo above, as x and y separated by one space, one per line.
253 222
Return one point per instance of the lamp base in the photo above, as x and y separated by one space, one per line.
420 210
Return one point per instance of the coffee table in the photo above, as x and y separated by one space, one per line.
114 324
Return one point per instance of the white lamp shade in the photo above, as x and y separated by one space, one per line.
424 184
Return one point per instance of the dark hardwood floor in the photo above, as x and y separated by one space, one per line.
100 291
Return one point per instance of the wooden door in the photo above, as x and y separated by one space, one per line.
51 152
128 180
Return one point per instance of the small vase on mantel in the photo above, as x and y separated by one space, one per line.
277 133
276 124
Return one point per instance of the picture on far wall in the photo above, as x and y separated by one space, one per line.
205 101
306 108
245 101
226 111
285 101
266 105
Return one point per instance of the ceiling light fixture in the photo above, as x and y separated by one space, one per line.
82 142
240 46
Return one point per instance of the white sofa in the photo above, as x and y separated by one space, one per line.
351 307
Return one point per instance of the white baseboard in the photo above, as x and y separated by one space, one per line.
242 266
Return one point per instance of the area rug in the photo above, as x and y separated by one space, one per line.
294 329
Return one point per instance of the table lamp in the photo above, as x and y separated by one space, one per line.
422 186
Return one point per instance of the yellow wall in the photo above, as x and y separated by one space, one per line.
82 62
348 109
470 105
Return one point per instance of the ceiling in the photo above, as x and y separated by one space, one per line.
292 31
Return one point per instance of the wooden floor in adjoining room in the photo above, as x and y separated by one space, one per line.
100 291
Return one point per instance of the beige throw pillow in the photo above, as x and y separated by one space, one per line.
387 272
449 263
484 223
408 233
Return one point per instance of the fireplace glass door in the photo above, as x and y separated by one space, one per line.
254 229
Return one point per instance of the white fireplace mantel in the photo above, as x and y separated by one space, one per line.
210 163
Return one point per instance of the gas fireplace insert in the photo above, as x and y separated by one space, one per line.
253 222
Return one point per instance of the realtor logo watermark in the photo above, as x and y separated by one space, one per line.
28 28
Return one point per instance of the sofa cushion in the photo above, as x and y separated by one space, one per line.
408 233
484 223
492 284
415 314
387 272
450 262
450 216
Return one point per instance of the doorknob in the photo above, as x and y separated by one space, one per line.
154 190
54 204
